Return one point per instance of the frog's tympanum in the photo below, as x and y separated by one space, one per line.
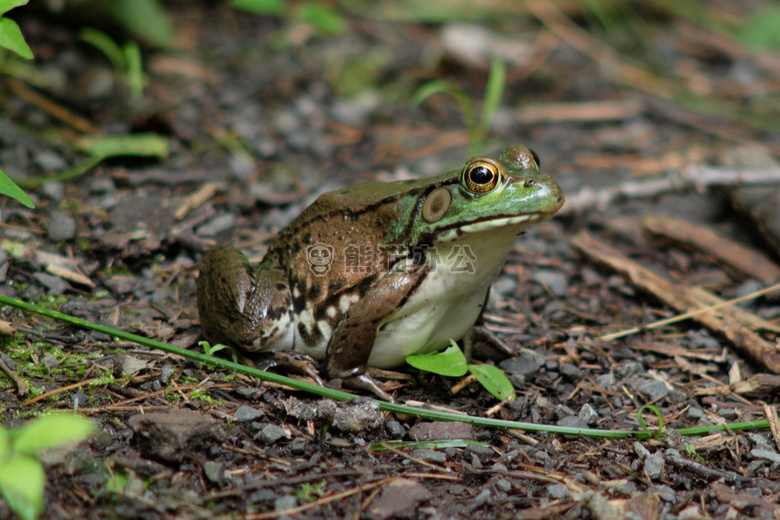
368 275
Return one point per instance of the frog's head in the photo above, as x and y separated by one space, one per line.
487 195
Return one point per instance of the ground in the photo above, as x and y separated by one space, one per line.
645 122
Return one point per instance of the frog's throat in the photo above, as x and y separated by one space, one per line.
517 221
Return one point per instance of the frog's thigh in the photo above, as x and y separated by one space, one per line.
351 343
239 307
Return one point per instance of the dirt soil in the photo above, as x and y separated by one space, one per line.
262 114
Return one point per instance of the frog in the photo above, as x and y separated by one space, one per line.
368 275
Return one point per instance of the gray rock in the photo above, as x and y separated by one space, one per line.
571 371
50 160
214 472
572 422
504 485
429 455
49 361
246 414
759 453
61 226
654 466
605 381
653 389
53 190
588 414
395 429
172 436
357 415
298 446
80 399
522 365
129 365
270 434
557 491
561 411
285 502
398 497
556 281
54 284
165 373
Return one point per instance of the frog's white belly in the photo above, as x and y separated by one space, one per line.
444 306
448 301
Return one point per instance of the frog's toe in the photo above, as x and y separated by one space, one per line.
293 362
367 384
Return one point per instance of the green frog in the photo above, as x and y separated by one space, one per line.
368 275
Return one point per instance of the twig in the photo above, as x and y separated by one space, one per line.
693 177
760 351
726 251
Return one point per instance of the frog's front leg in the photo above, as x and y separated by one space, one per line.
352 340
239 306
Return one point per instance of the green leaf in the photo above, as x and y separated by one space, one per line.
7 5
450 363
50 431
323 18
267 7
146 19
494 380
11 38
21 482
136 145
10 189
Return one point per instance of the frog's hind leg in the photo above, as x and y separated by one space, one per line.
242 307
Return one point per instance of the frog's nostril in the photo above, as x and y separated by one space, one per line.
529 183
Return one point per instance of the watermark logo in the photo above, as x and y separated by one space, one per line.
363 259
320 258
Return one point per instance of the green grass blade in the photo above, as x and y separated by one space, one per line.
10 189
344 396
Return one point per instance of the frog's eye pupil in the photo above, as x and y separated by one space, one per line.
481 175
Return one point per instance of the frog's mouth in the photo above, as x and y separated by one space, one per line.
515 221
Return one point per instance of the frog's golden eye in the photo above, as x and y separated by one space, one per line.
482 175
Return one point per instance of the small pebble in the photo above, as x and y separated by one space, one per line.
395 429
214 472
556 281
653 390
772 456
270 434
429 455
165 373
54 284
246 414
588 414
49 361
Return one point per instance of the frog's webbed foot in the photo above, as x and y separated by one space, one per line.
294 362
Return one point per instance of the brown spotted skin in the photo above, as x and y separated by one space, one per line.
238 305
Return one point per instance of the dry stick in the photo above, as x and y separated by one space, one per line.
760 351
724 250
53 109
692 177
